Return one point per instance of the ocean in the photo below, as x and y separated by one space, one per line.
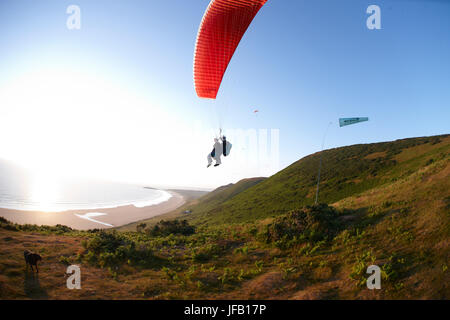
23 190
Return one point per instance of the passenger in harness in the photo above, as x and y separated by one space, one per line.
215 153
218 150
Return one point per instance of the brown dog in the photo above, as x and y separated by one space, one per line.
31 259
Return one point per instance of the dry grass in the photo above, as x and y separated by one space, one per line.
50 283
403 225
414 152
375 155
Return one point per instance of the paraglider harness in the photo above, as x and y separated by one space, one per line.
226 146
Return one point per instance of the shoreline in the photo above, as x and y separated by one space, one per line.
103 218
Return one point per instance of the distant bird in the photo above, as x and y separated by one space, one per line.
32 259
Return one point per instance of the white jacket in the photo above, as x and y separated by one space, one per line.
218 149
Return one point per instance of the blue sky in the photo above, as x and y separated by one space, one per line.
302 64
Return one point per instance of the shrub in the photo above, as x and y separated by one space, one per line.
140 227
105 242
108 249
3 220
58 229
165 228
312 223
10 227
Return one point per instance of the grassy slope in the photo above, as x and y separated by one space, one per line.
346 171
401 223
222 194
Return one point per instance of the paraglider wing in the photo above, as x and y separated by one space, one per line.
222 28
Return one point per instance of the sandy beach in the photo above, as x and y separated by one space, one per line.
94 218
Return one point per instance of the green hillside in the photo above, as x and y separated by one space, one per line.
202 203
346 171
222 194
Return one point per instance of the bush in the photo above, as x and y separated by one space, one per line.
140 227
10 227
105 242
108 249
58 229
165 228
311 223
3 220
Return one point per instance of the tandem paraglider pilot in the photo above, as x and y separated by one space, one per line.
216 153
218 150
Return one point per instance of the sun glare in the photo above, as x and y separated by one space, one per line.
44 192
76 123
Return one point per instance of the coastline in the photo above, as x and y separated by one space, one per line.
95 218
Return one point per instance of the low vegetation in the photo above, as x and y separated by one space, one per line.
298 251
312 223
165 228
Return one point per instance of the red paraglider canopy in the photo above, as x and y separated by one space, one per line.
222 28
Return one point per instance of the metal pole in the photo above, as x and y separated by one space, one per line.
320 163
